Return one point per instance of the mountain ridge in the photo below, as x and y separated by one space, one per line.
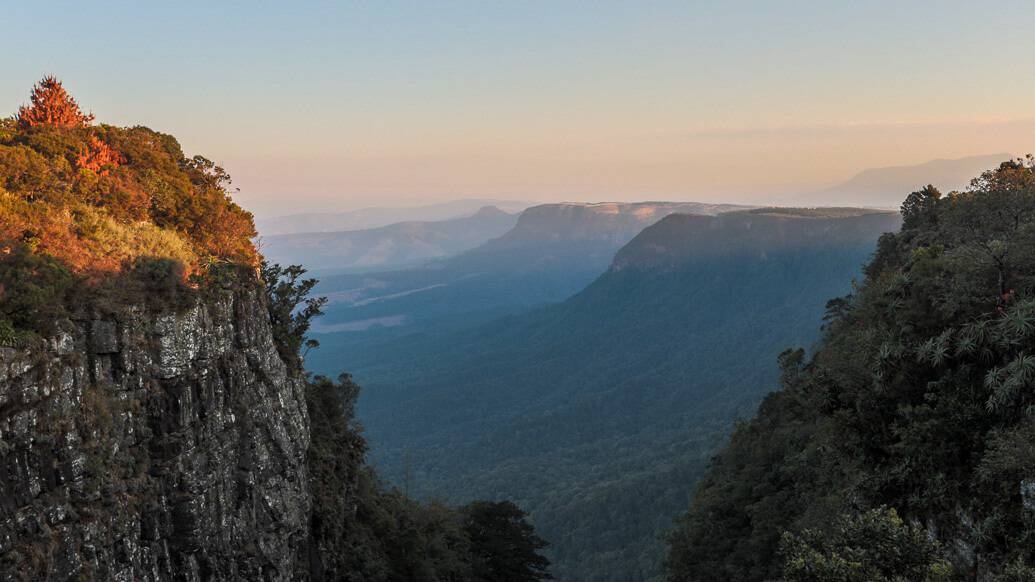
377 216
883 187
392 246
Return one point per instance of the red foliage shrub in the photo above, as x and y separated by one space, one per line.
52 105
99 157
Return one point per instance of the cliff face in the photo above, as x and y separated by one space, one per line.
154 445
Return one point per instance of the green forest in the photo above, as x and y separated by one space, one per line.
902 447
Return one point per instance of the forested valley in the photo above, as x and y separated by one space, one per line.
598 414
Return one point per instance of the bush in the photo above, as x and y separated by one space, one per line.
876 546
33 292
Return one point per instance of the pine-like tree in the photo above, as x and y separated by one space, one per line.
52 105
504 546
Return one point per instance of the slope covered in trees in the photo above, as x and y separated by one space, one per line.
596 413
364 531
902 448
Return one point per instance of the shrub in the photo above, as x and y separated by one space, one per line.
33 291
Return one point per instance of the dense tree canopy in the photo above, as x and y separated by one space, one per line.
919 398
367 532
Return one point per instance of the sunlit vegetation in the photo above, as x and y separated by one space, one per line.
99 201
66 183
902 450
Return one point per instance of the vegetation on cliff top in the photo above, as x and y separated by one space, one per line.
81 203
913 419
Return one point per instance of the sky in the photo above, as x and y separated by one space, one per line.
330 106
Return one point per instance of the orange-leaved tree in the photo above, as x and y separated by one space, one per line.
52 105
99 157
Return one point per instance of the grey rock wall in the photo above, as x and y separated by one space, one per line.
154 445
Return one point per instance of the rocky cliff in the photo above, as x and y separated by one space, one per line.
154 444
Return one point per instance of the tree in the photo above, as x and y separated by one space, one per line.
33 293
1016 571
876 546
335 458
504 546
919 206
291 310
52 105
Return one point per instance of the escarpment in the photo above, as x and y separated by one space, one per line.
154 444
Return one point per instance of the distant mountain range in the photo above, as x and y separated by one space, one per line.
367 218
599 413
887 187
392 246
551 252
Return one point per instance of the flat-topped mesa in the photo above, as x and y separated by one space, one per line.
682 238
616 221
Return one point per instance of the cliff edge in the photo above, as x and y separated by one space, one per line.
152 445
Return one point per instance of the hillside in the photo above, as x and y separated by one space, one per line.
393 246
902 447
597 413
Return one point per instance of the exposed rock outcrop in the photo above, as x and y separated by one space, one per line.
154 445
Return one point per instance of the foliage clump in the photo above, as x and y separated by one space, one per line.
291 310
919 398
874 546
67 174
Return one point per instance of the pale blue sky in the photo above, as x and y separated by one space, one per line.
341 104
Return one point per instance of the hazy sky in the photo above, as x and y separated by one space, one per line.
335 105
